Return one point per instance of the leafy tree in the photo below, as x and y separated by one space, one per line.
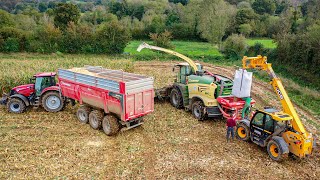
234 2
162 39
8 5
215 18
245 29
42 7
235 46
112 38
64 14
281 6
47 39
264 6
12 39
183 2
5 19
245 16
52 4
243 5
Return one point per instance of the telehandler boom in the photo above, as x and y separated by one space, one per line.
282 132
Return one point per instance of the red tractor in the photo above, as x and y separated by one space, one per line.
42 91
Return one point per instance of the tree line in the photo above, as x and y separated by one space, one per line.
106 26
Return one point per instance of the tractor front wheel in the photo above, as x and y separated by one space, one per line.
198 110
52 102
110 125
275 151
243 132
16 105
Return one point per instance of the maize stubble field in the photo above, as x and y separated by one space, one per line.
170 145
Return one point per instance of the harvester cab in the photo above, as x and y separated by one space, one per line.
41 90
183 71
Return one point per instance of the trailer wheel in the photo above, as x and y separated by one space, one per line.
110 125
16 105
198 110
52 102
176 98
274 150
242 132
95 119
83 114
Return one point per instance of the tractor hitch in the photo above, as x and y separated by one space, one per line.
4 100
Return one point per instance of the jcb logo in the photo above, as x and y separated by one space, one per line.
279 93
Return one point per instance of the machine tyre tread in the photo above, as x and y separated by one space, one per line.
179 101
280 156
244 130
19 102
48 94
201 114
84 110
95 119
110 125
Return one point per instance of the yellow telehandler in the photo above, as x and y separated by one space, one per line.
282 132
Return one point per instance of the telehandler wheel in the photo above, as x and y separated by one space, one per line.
83 114
243 132
198 110
52 102
110 125
95 119
275 151
16 105
176 98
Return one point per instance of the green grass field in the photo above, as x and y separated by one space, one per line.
267 43
194 50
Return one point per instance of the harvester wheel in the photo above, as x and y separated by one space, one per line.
16 105
83 114
95 119
275 151
243 132
176 98
110 125
198 110
52 101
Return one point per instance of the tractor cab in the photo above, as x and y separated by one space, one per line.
42 81
266 123
184 70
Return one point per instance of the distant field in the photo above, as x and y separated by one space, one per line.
267 43
195 50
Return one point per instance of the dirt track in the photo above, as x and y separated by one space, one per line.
170 145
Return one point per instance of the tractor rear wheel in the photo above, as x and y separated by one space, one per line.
83 114
95 119
176 98
52 101
243 132
275 151
16 105
198 110
110 125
